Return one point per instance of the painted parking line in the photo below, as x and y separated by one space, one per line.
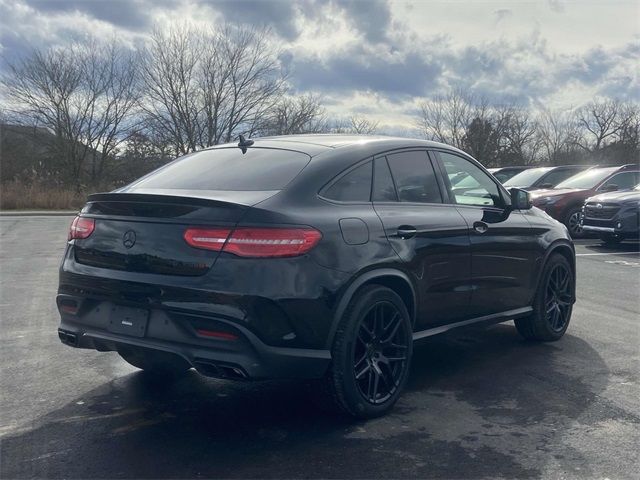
623 262
606 253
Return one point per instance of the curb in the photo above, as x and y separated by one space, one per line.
38 213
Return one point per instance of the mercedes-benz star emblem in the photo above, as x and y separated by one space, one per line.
598 206
129 239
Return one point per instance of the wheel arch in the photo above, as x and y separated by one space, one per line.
393 279
565 248
569 207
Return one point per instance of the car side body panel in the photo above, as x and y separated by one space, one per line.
284 312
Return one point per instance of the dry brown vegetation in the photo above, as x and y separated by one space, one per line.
20 196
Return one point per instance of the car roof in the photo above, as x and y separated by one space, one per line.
614 169
314 144
330 140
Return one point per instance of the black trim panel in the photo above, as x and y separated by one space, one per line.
494 318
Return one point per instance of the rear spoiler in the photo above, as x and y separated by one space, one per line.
186 197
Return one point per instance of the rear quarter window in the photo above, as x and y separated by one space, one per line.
227 169
355 186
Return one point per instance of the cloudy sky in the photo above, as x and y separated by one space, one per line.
379 58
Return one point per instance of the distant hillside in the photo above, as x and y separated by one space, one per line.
24 151
28 153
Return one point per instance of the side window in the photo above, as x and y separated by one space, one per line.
558 176
624 181
477 188
414 177
355 186
383 188
503 176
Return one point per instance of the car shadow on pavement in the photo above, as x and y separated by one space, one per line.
479 403
632 247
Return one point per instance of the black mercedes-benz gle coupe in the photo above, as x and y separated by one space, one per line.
317 256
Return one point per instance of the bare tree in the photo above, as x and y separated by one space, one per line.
482 141
205 87
362 125
556 135
519 143
355 124
169 72
111 72
446 118
256 78
83 94
293 115
600 121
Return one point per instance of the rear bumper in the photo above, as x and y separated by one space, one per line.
242 357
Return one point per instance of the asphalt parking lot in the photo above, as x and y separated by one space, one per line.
480 403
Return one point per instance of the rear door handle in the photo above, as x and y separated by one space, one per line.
480 227
406 231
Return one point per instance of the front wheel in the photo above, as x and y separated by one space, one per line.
553 303
573 223
371 353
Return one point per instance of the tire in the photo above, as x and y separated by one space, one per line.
156 363
572 222
370 362
611 239
552 306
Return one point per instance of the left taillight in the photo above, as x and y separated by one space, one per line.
81 227
255 242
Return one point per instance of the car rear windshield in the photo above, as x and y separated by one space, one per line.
227 169
527 177
588 179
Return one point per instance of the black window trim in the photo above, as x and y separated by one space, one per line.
615 174
504 196
344 173
559 168
398 201
383 158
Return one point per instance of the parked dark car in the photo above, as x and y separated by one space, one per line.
316 257
543 177
505 173
565 201
613 216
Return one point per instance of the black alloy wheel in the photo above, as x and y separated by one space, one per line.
574 223
371 353
553 303
558 297
380 354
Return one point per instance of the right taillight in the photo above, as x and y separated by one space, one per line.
207 238
255 242
81 227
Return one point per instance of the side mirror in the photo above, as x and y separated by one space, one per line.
612 187
520 199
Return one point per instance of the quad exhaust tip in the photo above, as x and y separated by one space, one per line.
68 338
216 370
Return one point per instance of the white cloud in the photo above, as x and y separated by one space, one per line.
383 58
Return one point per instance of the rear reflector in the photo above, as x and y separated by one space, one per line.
81 227
215 334
255 242
69 306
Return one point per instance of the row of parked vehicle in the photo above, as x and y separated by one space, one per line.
589 200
